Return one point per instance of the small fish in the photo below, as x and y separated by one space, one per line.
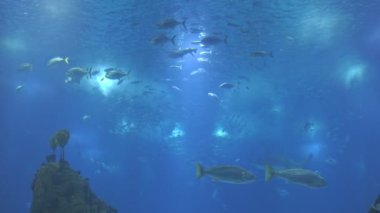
162 39
201 59
299 176
212 40
171 23
226 174
179 67
115 74
262 53
198 71
19 88
231 24
75 74
86 117
25 67
226 85
244 30
93 72
376 207
177 88
196 30
213 95
58 60
206 52
182 52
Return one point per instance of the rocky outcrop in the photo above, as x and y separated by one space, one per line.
59 189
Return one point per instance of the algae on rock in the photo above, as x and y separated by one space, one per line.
59 189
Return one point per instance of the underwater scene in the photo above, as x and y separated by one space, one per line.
178 106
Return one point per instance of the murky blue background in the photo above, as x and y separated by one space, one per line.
314 104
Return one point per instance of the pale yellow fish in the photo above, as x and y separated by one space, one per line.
58 60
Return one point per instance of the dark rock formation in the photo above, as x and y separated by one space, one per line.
59 189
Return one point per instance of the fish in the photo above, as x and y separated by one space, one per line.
179 67
262 53
201 59
182 52
375 208
198 71
58 60
226 174
177 88
213 95
25 67
75 74
93 72
19 88
226 85
116 74
162 39
231 24
299 176
211 40
86 117
171 23
196 30
206 52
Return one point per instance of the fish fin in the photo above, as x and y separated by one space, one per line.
225 39
199 171
184 24
173 40
268 173
271 54
120 81
66 60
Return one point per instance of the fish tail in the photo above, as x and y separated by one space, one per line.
269 173
199 171
66 60
184 24
173 40
120 81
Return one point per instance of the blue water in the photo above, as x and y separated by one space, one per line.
314 104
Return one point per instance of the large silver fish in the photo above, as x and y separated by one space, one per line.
300 176
227 174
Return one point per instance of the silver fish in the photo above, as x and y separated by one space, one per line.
58 60
226 174
300 176
171 23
